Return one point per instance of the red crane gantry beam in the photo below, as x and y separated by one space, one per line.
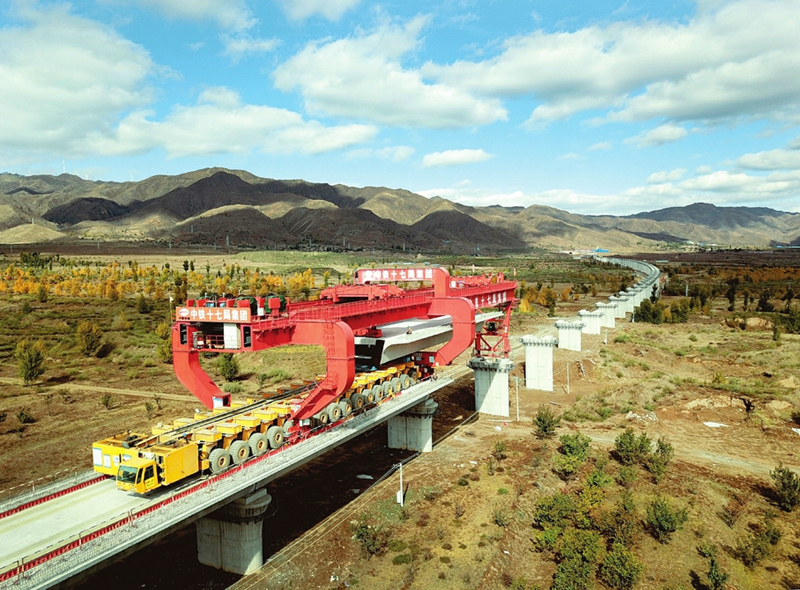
333 322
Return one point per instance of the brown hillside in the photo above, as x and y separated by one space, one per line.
460 229
241 226
357 227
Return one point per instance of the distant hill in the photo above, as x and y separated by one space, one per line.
217 205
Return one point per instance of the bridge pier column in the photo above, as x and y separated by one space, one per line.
539 362
230 538
413 429
491 384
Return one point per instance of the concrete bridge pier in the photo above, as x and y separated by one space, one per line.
491 385
413 429
230 538
569 334
539 362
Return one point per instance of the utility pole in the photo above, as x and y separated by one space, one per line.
567 378
516 387
400 492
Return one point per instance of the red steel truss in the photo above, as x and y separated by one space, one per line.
333 321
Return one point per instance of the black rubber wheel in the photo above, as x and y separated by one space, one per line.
346 407
240 451
258 444
275 436
220 460
370 395
322 418
334 411
357 401
405 382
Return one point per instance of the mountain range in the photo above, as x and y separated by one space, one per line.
220 206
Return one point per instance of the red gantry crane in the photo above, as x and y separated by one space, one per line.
341 314
373 333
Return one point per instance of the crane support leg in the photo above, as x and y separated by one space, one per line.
463 313
340 350
194 378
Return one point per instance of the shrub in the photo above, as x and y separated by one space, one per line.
42 293
658 460
90 338
262 379
578 544
501 517
232 388
545 422
402 558
554 510
396 546
164 351
566 466
228 366
663 520
717 579
150 408
372 539
107 401
576 445
25 417
121 323
30 360
620 569
573 574
622 524
163 330
499 451
631 449
627 476
787 487
141 304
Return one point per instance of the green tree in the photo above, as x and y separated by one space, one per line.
664 520
228 366
620 569
631 449
545 422
90 337
787 487
717 579
30 360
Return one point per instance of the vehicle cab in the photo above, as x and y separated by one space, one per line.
137 475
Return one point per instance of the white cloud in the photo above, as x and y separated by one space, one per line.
666 133
395 154
362 77
220 123
661 177
569 156
232 15
238 47
330 9
703 169
603 145
794 144
771 160
730 60
454 158
64 77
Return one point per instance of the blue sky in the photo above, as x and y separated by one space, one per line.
593 107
